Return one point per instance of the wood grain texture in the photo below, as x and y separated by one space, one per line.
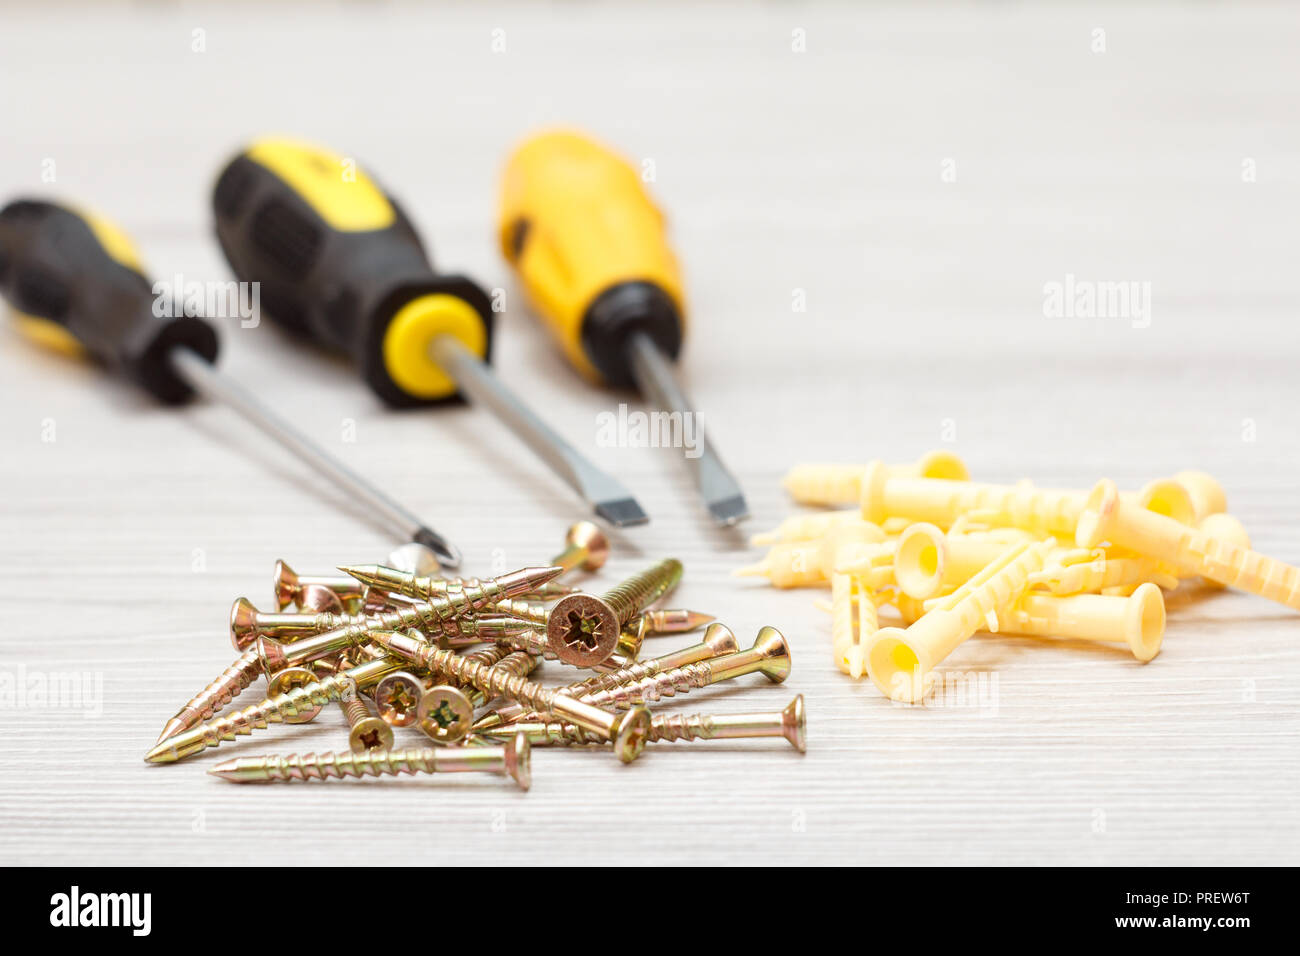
814 173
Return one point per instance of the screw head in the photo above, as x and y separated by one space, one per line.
630 732
582 630
585 534
772 644
286 585
315 599
792 720
445 714
397 697
720 640
519 761
288 679
370 733
243 631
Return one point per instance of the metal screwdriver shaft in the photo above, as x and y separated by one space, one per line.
204 377
655 380
607 497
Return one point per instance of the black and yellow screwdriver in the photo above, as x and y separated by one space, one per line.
77 284
339 263
589 247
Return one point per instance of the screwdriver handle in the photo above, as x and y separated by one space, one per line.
590 248
339 263
78 285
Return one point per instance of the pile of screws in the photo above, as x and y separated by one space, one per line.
454 658
952 557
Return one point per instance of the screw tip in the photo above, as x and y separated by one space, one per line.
164 752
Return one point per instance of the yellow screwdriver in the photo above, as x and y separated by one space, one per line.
589 246
77 285
339 263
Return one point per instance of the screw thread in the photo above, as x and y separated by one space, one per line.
632 596
530 642
664 727
495 680
623 675
274 710
527 610
355 710
652 687
220 692
682 727
369 763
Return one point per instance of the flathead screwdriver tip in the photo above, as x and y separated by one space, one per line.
622 512
729 511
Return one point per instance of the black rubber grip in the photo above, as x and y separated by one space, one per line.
339 289
54 267
618 312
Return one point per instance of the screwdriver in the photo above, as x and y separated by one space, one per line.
78 285
339 263
589 246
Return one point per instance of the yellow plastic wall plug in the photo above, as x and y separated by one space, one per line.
1081 571
1137 621
1039 510
1168 497
818 483
1106 517
1207 494
803 564
901 661
805 527
928 561
1223 527
848 645
842 635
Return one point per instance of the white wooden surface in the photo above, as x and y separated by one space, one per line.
127 536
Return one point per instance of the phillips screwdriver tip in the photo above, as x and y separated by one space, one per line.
622 512
448 555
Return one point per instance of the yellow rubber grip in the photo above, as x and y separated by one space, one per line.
118 246
340 193
575 221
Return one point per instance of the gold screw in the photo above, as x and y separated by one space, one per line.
718 640
397 698
523 581
626 730
669 621
585 547
512 759
289 586
454 614
446 712
788 723
269 711
365 730
584 629
769 655
288 679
